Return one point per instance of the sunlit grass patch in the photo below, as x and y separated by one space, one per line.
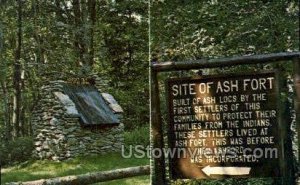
141 180
34 170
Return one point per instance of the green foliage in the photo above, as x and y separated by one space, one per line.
134 100
137 136
228 181
122 57
55 46
16 151
34 170
200 29
140 180
184 30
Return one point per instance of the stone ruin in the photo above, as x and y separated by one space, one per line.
72 120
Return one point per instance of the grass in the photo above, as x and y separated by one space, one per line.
138 136
34 170
141 180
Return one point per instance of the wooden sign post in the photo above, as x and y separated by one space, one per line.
236 125
297 98
158 167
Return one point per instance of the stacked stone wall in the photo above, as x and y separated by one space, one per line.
58 134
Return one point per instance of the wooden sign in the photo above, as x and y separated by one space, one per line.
224 126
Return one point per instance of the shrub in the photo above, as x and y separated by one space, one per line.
18 150
138 136
135 105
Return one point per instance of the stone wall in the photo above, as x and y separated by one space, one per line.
57 131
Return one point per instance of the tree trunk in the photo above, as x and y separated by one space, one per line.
297 105
23 109
6 112
84 21
78 43
92 11
17 78
90 178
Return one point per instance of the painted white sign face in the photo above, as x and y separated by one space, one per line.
224 126
208 170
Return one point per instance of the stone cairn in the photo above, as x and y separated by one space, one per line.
58 134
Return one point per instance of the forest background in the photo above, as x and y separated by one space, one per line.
43 40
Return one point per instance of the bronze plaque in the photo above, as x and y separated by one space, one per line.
223 126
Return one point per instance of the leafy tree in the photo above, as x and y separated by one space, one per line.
53 40
183 30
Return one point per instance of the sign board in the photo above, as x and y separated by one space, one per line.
224 126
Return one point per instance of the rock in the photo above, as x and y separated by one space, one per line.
71 130
72 141
53 128
44 131
68 104
71 136
46 117
45 145
54 121
116 108
55 141
106 147
68 154
99 142
87 138
118 145
113 104
40 136
38 143
55 158
60 136
48 155
110 137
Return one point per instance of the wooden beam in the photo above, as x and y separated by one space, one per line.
158 173
285 153
282 133
224 62
90 178
297 99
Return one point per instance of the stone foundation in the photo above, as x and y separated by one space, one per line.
58 134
